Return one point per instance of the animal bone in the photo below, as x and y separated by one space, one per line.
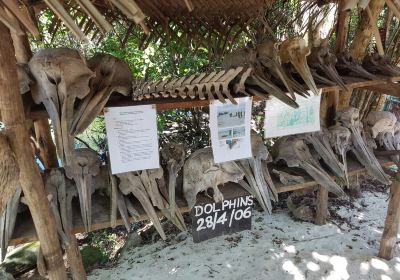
258 79
257 174
340 141
112 75
7 222
320 142
82 169
295 153
380 64
288 179
9 172
381 122
200 173
295 52
384 127
174 156
268 55
130 183
347 65
24 78
324 61
201 86
62 76
350 118
55 183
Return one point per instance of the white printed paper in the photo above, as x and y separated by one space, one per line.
281 119
132 138
230 129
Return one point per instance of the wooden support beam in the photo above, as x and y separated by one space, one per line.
47 148
389 236
322 206
14 120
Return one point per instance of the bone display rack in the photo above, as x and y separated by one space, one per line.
386 85
25 232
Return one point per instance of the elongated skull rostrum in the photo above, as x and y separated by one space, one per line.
268 56
201 173
82 169
62 76
340 141
54 184
173 155
380 64
295 153
320 142
7 222
131 183
348 66
286 178
350 118
295 52
383 126
257 174
112 76
323 61
258 82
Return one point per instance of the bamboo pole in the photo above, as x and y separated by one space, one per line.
13 118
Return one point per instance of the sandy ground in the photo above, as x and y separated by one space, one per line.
276 248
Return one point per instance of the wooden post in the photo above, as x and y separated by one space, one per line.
48 155
322 206
342 28
13 117
47 148
392 221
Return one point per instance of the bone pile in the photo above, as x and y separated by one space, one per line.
281 69
349 119
259 182
385 130
294 151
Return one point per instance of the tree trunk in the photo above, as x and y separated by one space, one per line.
361 41
13 118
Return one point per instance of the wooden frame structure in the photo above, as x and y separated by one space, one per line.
13 112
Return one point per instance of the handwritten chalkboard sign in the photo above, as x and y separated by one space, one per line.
214 219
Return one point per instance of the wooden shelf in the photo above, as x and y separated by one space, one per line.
25 232
382 84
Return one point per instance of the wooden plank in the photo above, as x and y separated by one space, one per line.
24 231
322 206
163 104
389 236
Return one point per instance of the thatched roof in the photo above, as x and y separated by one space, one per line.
91 18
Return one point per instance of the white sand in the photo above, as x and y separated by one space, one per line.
276 248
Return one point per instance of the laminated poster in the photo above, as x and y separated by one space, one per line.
132 138
281 119
230 129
